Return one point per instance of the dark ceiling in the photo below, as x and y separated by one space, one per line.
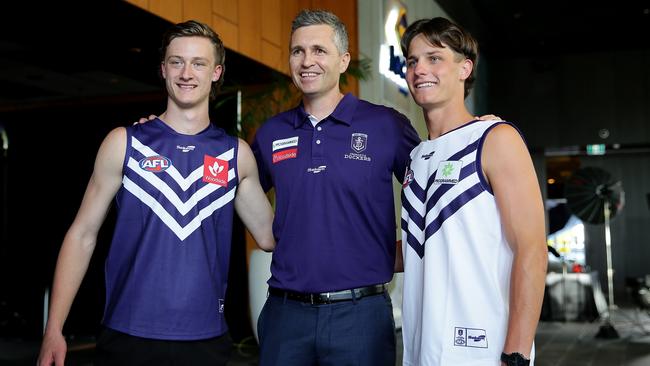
74 52
532 28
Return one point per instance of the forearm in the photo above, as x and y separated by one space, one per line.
71 268
526 296
256 213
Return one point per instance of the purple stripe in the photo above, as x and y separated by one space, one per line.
412 241
451 208
412 213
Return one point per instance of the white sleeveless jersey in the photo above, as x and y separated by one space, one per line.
457 262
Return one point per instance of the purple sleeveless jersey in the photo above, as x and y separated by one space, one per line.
167 268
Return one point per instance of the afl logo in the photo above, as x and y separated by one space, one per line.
155 164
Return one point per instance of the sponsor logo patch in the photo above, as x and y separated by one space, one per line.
284 143
215 171
408 178
155 164
284 155
448 172
317 169
185 148
470 337
221 306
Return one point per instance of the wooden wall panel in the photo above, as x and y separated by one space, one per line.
228 9
271 21
228 32
199 10
250 24
272 55
171 10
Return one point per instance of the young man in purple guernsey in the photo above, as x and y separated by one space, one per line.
177 181
331 160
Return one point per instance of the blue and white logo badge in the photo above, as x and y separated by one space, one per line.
459 337
470 337
359 142
221 305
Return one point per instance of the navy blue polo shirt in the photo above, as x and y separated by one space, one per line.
334 218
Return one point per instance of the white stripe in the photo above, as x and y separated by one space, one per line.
184 183
182 207
181 232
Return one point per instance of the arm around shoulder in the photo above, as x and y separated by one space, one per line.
79 242
251 203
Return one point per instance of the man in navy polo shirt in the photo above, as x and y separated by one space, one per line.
331 160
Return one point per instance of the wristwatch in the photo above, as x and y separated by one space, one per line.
514 359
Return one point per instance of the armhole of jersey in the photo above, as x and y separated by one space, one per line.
235 161
128 150
479 153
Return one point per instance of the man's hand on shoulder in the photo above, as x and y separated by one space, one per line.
145 120
489 117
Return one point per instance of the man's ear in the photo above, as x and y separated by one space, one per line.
216 74
345 61
466 68
162 70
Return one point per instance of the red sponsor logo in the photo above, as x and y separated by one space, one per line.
215 171
284 155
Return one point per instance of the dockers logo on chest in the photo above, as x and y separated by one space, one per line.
215 171
284 149
358 143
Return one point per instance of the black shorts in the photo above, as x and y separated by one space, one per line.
119 349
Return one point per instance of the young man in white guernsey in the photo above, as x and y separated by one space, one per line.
177 182
473 232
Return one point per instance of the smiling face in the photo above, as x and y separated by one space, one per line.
189 69
316 63
435 75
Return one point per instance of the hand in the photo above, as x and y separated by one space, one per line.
488 117
53 349
145 120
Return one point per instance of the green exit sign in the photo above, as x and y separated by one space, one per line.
596 149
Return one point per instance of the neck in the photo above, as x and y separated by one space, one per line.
323 105
188 121
443 120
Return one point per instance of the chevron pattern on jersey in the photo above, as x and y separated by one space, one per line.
418 203
171 195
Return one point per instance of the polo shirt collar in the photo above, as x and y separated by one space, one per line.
343 112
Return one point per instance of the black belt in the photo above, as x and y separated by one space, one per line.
329 297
